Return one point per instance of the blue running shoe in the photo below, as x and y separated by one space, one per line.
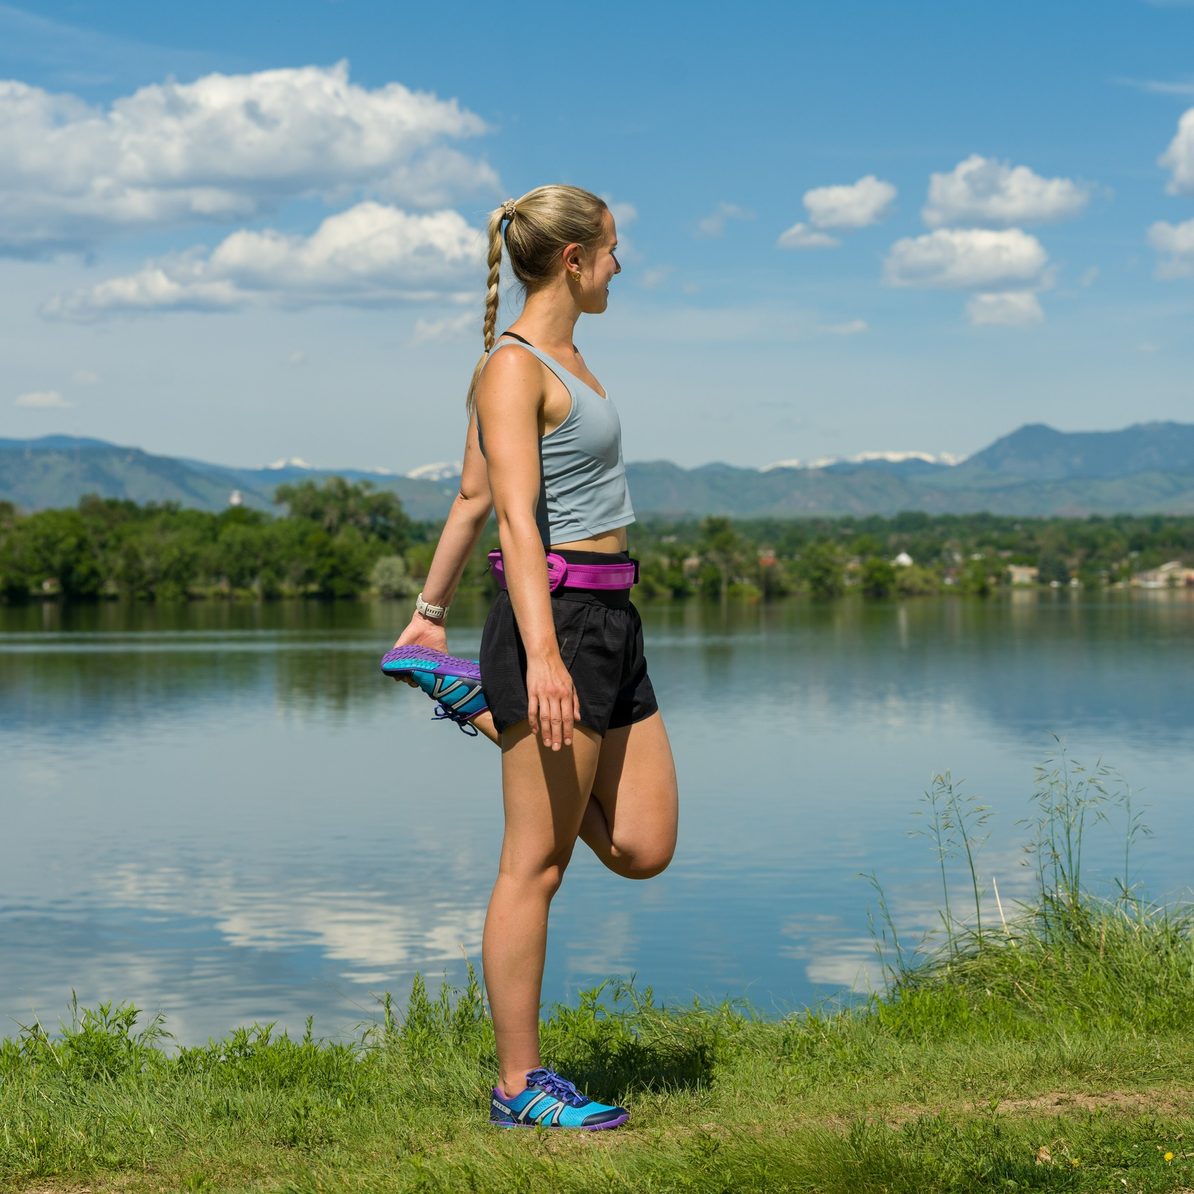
550 1101
454 683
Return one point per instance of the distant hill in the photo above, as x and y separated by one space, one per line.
58 470
1037 452
1034 471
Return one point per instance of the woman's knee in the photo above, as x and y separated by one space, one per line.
544 876
643 863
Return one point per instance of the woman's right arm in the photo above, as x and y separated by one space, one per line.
509 404
465 522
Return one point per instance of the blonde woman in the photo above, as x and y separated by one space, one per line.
562 682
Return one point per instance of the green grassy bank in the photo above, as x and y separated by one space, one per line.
1052 1050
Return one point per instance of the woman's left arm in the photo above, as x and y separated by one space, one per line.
466 520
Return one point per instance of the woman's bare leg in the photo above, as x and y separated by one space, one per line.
484 723
545 793
630 822
637 776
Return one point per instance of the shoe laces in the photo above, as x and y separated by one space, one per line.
561 1088
441 713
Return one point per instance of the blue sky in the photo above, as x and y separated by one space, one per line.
245 232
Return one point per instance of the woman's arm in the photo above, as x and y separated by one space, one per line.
509 403
465 522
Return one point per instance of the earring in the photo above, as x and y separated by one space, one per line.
574 275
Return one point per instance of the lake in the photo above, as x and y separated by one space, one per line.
225 812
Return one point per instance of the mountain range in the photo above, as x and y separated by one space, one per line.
1034 471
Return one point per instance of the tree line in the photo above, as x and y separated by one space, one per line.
344 539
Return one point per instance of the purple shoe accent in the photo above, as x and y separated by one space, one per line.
609 1123
432 661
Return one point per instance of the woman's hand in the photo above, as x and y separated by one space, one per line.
552 704
422 632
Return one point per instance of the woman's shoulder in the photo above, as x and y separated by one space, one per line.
511 372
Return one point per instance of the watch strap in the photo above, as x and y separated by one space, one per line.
438 612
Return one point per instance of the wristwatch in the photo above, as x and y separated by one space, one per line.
437 612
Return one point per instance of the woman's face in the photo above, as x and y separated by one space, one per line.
598 265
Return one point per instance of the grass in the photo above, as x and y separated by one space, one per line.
1048 1050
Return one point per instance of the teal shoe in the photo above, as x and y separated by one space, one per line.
454 683
550 1101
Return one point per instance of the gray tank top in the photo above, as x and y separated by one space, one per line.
583 490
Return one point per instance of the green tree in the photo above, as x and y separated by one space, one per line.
59 548
1053 567
975 577
823 570
878 577
240 555
338 505
723 551
389 577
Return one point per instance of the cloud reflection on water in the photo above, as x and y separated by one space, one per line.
365 930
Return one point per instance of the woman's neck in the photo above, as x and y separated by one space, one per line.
549 318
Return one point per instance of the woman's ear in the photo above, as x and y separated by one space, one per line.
572 256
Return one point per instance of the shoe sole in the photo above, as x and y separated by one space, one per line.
426 659
612 1123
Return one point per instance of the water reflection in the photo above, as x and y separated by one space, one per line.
1028 664
225 811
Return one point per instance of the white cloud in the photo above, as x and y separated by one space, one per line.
854 206
223 147
369 254
1009 309
852 327
454 327
1089 277
1176 242
985 191
801 236
623 213
42 400
655 277
1160 86
714 224
85 377
967 259
1179 157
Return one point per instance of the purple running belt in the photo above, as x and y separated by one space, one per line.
563 575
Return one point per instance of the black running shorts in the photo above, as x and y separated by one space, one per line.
601 642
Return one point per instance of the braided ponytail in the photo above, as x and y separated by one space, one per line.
538 226
489 325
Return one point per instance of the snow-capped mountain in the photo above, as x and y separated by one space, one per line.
443 470
945 459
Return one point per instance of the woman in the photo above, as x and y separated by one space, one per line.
584 750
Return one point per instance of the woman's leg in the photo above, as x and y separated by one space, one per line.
545 793
630 822
635 791
484 723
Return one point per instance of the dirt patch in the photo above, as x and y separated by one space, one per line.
1158 1102
56 1190
1165 1102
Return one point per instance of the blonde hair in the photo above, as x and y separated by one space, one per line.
535 227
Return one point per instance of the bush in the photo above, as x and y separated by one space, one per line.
390 579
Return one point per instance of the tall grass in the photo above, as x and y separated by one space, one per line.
1065 952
